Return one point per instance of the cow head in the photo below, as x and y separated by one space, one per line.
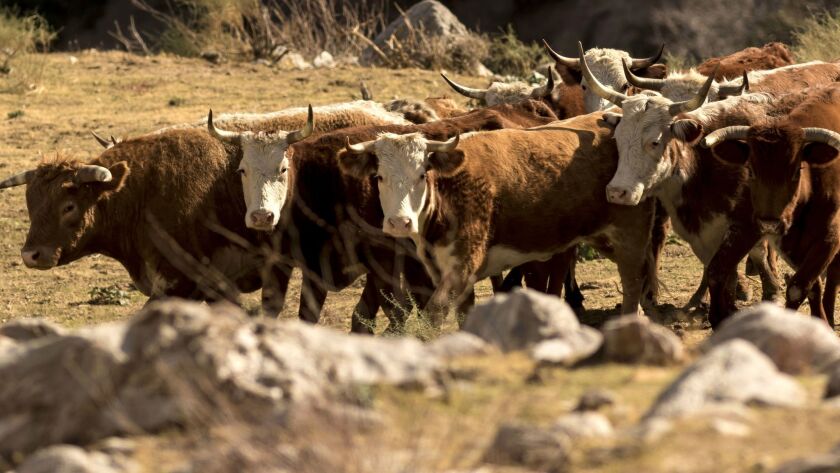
643 131
264 169
776 154
680 86
62 200
401 165
502 92
606 65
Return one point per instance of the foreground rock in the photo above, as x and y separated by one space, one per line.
826 463
176 361
578 425
72 459
528 446
22 330
460 344
633 339
795 342
833 388
526 319
732 374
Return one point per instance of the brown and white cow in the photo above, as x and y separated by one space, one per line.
794 190
770 56
483 202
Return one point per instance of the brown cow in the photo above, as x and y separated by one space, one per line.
769 56
795 199
493 200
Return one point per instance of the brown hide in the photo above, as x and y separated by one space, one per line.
769 56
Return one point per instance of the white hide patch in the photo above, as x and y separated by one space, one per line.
605 65
510 93
500 258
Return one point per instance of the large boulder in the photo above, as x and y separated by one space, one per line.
633 339
796 343
24 329
833 388
530 447
526 319
732 374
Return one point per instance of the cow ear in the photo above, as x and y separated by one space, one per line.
359 165
656 71
733 152
612 118
569 76
446 163
818 154
119 175
687 130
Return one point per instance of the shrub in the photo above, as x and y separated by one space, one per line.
817 38
21 38
509 56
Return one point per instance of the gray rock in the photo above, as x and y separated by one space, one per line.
324 60
569 350
594 399
528 446
633 339
795 342
24 329
578 425
833 388
733 373
459 344
730 428
826 463
523 318
72 459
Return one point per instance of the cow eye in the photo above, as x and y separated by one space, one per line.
422 177
241 172
377 177
283 170
68 208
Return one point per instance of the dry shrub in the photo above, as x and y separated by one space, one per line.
509 56
21 39
817 38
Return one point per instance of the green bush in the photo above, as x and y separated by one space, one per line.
509 56
817 38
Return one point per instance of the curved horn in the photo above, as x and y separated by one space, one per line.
359 148
548 88
114 141
714 138
647 62
465 91
221 135
18 179
641 82
443 146
822 135
298 135
102 141
92 173
602 91
732 89
697 101
571 63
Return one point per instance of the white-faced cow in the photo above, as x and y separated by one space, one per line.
492 200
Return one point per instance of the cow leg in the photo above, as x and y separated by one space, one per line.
697 298
658 238
512 280
723 271
536 275
467 303
761 257
364 315
312 297
497 281
832 283
815 263
574 297
815 294
275 286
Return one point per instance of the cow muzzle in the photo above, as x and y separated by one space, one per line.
261 219
398 226
40 257
770 226
622 195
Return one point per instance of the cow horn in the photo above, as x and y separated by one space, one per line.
443 146
571 63
548 88
92 173
465 91
359 148
647 62
602 91
735 89
18 179
298 135
697 101
822 135
221 135
102 141
738 132
641 82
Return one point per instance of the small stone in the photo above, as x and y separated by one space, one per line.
324 60
730 428
825 463
214 57
633 339
578 425
595 399
528 446
460 344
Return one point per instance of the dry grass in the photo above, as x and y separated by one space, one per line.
816 38
21 39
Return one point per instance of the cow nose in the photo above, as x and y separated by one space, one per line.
616 194
262 218
399 223
30 257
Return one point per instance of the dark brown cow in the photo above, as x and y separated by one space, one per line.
769 56
494 200
795 199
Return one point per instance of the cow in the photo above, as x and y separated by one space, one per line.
606 65
698 198
794 192
482 202
770 56
419 111
328 223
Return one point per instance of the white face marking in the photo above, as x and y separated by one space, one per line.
402 182
510 93
641 136
265 178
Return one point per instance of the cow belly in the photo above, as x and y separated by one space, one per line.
501 257
238 266
705 242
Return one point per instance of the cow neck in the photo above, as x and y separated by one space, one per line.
110 237
428 216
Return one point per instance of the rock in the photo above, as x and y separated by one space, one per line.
578 425
72 459
730 428
796 343
595 399
428 16
213 57
523 318
833 387
651 430
459 344
528 446
324 60
825 463
73 59
633 339
294 60
734 373
25 329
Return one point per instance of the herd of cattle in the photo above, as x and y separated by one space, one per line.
425 198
